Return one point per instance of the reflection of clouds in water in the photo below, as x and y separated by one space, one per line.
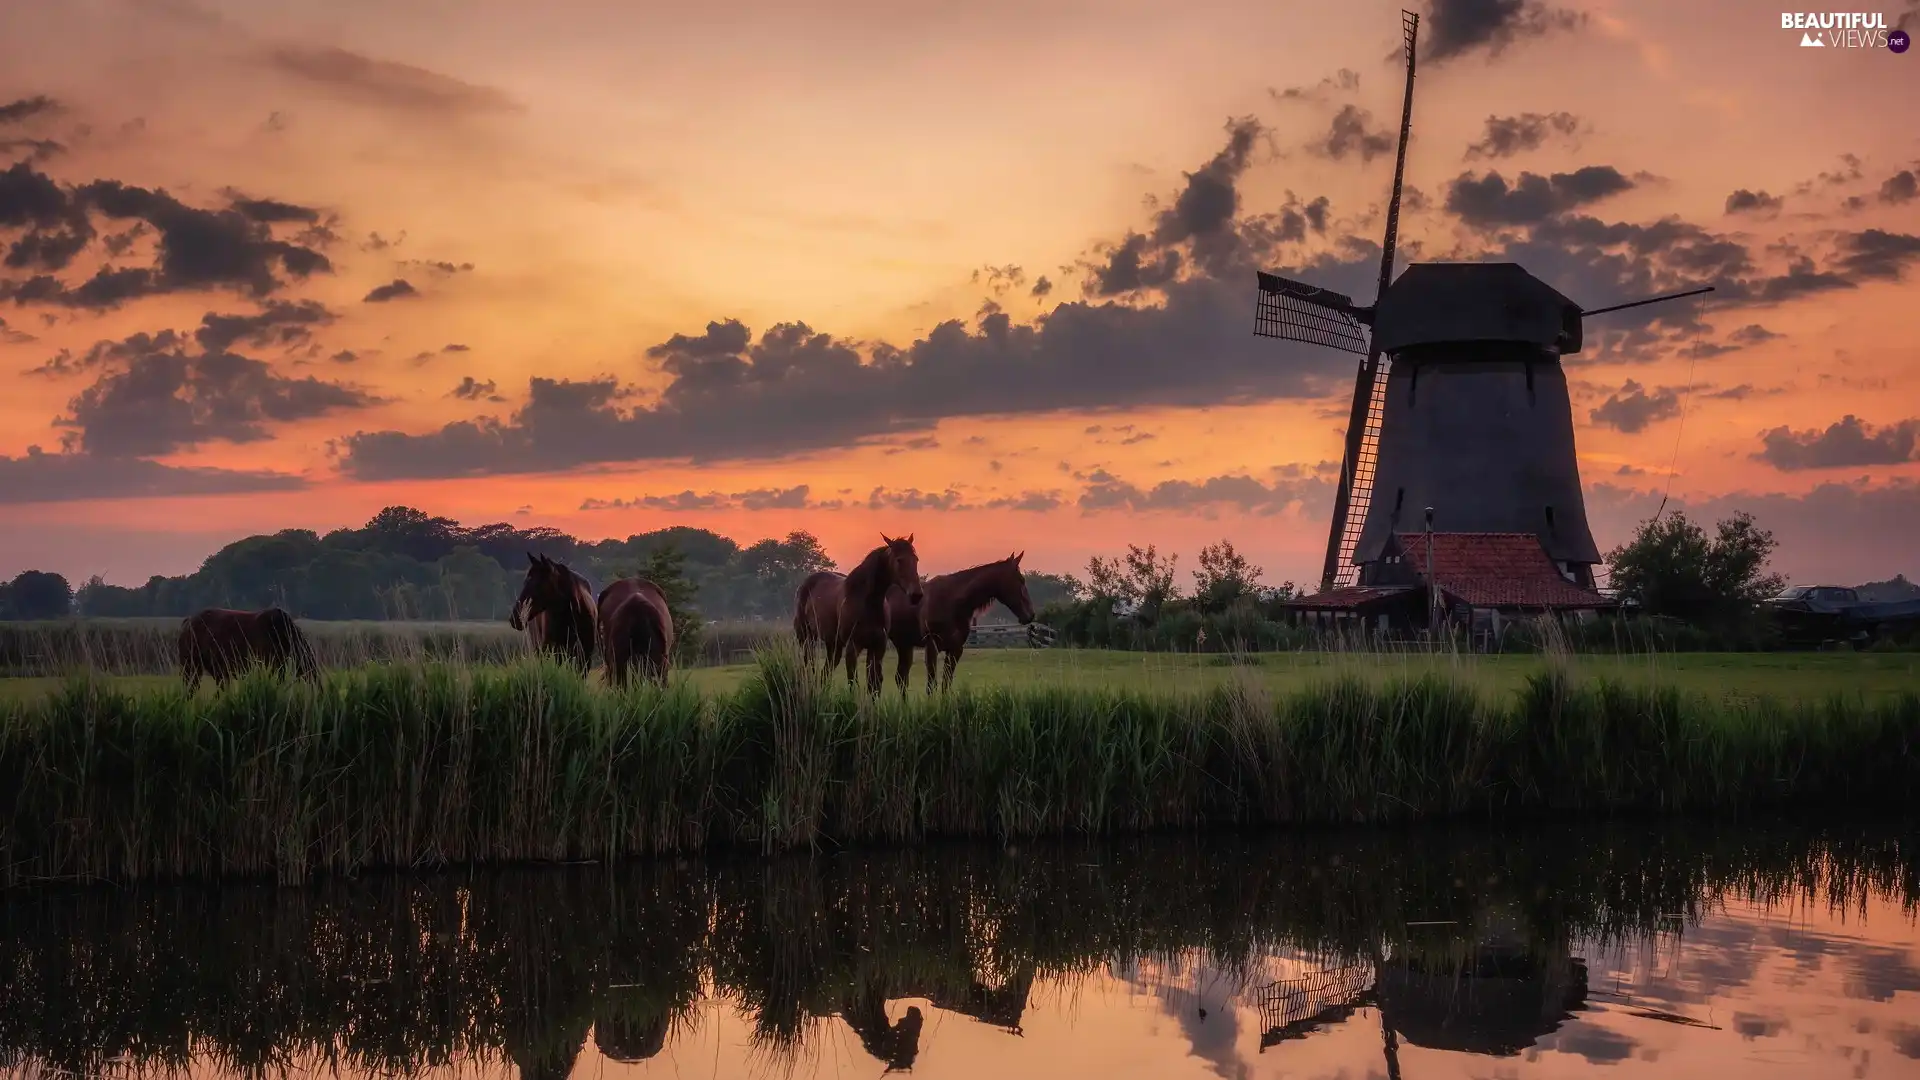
1183 985
1877 973
1906 1039
1599 1045
1753 1026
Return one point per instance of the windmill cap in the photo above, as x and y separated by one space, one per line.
1455 302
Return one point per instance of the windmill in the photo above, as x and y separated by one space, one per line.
1460 404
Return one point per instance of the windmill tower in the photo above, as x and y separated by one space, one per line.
1460 404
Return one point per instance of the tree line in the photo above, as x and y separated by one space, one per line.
405 564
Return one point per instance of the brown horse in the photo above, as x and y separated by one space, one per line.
635 628
222 642
848 612
943 619
556 609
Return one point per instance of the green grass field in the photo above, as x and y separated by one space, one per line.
1725 677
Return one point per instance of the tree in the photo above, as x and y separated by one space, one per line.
1224 576
1671 567
1142 576
666 568
37 594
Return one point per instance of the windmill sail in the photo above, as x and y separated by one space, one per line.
1355 493
1295 311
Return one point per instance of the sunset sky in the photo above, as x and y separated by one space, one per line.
982 272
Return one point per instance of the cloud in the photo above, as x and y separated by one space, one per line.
388 84
1631 408
344 356
1042 287
196 250
472 390
438 267
39 477
1877 254
1839 533
1532 198
1351 136
1846 443
280 322
397 289
1000 279
1454 28
1509 135
1183 339
456 347
1753 202
154 397
26 108
1901 187
1344 81
12 336
1105 491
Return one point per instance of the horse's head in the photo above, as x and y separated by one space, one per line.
903 565
1013 591
538 592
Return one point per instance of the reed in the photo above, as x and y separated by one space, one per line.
430 763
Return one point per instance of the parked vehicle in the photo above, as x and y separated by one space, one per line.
1818 614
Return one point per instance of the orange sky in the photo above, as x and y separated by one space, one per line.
596 178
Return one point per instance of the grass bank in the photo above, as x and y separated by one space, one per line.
420 764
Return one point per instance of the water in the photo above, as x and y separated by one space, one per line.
1550 952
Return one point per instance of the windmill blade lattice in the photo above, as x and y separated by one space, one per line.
1295 311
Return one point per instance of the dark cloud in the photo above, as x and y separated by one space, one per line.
1532 198
1631 408
471 389
1877 254
913 500
197 249
1033 502
282 323
1104 491
1509 135
26 108
1344 81
1901 187
36 149
154 397
387 83
456 347
344 356
39 477
397 289
1042 288
440 267
11 336
273 211
1454 28
1350 135
1846 443
793 498
376 242
1000 279
1753 202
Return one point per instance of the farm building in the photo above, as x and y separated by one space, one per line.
1479 579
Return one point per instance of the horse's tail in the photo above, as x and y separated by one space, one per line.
294 640
189 655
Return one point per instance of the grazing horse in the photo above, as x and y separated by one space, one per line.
635 628
221 642
848 612
556 609
943 619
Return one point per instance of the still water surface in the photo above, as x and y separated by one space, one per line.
1694 951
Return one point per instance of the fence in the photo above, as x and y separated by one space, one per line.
1032 635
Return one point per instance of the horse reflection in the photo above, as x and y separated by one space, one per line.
894 1043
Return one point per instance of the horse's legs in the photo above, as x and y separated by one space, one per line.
876 677
905 666
852 659
953 661
933 650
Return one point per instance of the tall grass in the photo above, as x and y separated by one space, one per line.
425 764
150 646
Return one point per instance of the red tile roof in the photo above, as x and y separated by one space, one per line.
1495 570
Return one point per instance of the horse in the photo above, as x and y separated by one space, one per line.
847 612
943 619
221 642
635 628
556 609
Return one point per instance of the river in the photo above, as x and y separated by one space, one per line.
1669 950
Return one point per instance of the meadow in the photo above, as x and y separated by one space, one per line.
416 763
